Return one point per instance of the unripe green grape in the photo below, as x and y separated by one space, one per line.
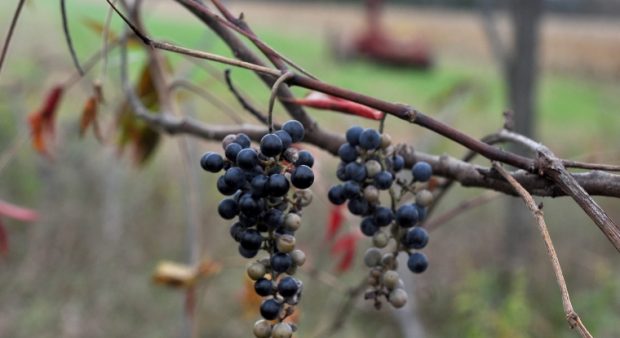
424 197
262 329
371 194
305 197
380 239
398 298
299 257
227 140
388 260
285 243
372 257
372 168
256 270
292 221
390 279
386 140
282 330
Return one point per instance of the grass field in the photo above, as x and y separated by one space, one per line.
85 269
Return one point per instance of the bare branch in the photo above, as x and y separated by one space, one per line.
204 94
571 316
244 103
464 206
9 34
590 166
551 167
65 28
191 52
240 26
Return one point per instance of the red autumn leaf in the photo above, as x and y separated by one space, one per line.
42 120
336 218
89 117
4 240
326 102
345 246
18 213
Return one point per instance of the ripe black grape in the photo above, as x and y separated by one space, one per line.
267 186
271 145
270 309
369 167
212 162
295 129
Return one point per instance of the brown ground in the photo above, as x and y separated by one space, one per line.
584 45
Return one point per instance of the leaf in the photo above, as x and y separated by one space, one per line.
345 246
336 219
134 132
4 240
323 101
42 120
98 27
174 275
89 117
17 212
178 275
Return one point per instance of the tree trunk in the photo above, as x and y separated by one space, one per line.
521 72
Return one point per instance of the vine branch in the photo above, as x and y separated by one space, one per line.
9 34
571 316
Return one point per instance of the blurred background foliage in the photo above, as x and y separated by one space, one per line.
85 268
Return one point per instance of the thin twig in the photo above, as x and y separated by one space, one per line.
464 206
104 37
214 100
242 28
313 131
551 167
244 103
274 93
9 34
590 166
571 316
65 28
192 52
90 63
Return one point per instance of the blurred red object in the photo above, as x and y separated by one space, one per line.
376 45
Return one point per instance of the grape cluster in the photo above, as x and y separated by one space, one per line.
369 165
268 212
